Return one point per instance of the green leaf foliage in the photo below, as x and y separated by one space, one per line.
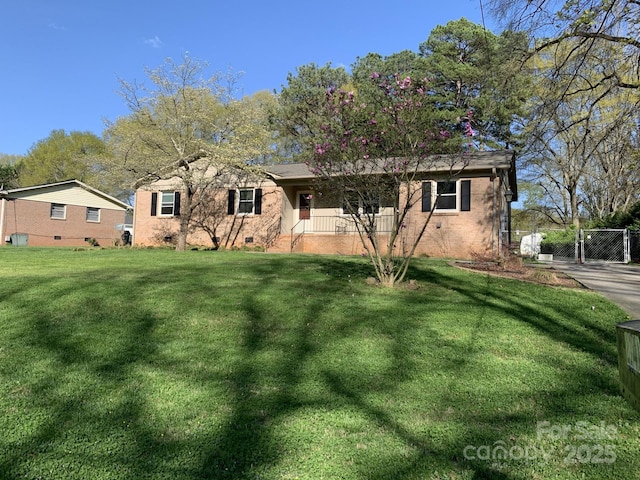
64 156
475 76
297 119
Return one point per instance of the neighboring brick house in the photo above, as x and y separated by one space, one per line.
284 213
68 213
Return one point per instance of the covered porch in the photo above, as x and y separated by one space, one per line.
313 223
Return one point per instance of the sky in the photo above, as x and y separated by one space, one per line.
62 60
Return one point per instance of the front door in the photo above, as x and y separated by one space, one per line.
303 206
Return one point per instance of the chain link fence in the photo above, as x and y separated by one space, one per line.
605 245
557 242
634 246
602 245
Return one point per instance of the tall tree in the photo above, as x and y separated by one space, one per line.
190 130
585 25
475 79
297 120
612 183
9 171
404 63
580 145
64 156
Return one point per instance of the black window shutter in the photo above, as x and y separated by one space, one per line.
465 195
257 207
231 205
154 204
176 204
426 196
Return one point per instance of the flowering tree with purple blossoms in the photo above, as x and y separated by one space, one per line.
375 146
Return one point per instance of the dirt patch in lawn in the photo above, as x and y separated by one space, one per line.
542 274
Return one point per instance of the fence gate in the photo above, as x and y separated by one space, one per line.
604 245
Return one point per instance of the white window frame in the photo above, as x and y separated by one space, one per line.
165 204
55 209
455 194
245 202
94 216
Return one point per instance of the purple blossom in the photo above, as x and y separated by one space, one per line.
468 130
405 83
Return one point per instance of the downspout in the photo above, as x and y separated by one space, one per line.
493 213
3 203
501 215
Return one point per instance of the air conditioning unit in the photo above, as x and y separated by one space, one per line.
628 334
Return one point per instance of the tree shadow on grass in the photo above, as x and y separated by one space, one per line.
276 352
592 337
68 416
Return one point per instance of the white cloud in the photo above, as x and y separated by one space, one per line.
55 26
154 42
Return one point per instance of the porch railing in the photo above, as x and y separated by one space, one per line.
338 224
297 231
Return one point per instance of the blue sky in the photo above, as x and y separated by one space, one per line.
61 59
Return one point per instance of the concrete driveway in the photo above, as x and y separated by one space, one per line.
618 282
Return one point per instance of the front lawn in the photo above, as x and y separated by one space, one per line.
134 364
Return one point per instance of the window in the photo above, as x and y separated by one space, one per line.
245 203
93 214
249 201
446 195
169 204
58 211
450 196
352 203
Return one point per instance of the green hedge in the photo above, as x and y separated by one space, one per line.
557 240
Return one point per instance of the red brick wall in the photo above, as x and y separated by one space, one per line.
460 234
233 229
452 234
34 219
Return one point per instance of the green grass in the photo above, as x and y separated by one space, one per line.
134 364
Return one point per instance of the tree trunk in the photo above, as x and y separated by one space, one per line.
575 216
185 219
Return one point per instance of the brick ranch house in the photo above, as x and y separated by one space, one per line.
283 213
68 214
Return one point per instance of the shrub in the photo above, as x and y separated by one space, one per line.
558 240
629 219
